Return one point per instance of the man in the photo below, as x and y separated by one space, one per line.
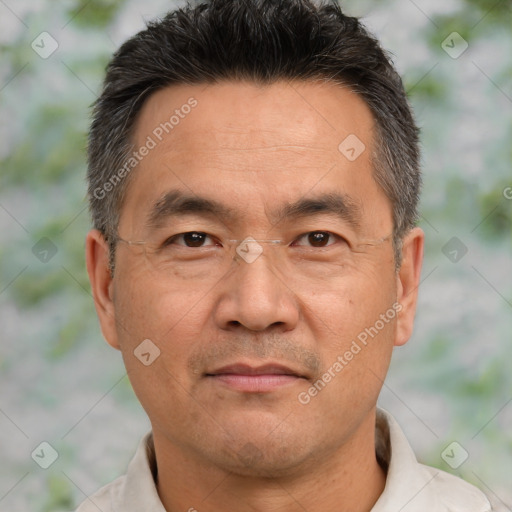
254 179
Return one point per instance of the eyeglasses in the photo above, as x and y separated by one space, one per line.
196 256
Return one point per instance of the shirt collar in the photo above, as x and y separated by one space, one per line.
406 481
414 487
138 490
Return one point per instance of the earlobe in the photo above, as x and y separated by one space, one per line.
97 259
408 281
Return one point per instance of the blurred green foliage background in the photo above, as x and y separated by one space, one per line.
59 380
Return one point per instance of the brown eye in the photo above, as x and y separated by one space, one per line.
190 239
317 239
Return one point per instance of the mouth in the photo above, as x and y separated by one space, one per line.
255 379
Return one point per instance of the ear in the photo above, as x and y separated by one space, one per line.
408 281
97 259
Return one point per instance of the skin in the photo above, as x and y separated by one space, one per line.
254 148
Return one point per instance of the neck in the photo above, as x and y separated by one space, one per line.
349 479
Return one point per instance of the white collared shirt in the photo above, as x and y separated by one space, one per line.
410 486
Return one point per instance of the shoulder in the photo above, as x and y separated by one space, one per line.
455 494
133 491
414 487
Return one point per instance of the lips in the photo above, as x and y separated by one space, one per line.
245 378
244 369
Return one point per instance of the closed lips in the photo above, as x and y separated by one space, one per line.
243 369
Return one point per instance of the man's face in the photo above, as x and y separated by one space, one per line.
300 307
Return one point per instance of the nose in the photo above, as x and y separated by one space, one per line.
256 296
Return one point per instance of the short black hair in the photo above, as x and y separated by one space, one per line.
263 41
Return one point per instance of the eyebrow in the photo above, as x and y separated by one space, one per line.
176 203
339 205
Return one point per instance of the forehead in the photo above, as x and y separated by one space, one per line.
253 147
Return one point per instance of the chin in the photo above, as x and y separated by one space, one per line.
252 461
264 455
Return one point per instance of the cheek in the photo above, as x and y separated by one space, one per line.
354 326
354 302
354 332
173 318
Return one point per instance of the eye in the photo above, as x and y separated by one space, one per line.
189 239
317 239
